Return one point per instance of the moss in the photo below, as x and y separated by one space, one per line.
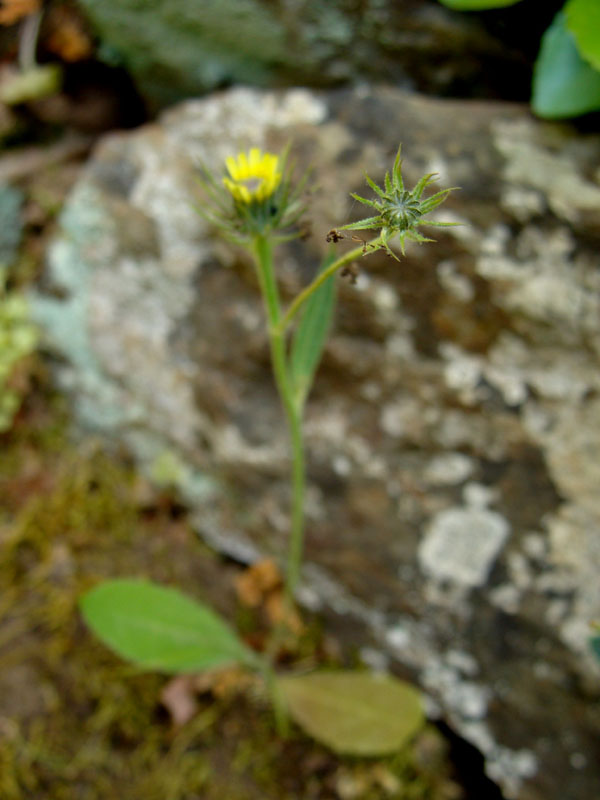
178 48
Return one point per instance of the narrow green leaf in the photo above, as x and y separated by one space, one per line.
159 628
376 188
364 200
583 20
477 5
356 713
363 224
564 85
311 333
595 645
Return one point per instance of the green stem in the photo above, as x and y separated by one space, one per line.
300 299
282 722
293 410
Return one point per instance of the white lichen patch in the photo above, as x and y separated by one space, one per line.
456 284
575 555
461 545
531 165
506 597
522 203
231 447
448 469
407 417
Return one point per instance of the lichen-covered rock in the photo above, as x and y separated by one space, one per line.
453 435
180 48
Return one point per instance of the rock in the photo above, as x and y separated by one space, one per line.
180 48
453 510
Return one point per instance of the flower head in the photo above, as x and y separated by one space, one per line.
254 176
256 196
400 211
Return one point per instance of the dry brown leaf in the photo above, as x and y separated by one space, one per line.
68 38
255 583
179 698
220 682
231 681
279 612
12 11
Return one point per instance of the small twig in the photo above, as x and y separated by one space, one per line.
28 38
26 161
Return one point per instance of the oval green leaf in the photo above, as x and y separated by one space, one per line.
583 20
564 85
159 628
355 713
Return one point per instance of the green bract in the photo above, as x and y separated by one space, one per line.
400 211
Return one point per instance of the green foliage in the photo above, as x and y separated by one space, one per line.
18 338
159 628
564 85
566 79
211 43
595 645
356 713
311 333
477 5
583 20
34 83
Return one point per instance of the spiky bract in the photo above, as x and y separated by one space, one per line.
399 211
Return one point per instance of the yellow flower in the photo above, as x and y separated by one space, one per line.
253 176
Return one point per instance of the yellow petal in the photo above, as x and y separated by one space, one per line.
254 158
232 166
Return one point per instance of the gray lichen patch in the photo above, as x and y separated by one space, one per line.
461 544
545 163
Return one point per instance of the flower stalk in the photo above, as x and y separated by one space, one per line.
257 205
263 254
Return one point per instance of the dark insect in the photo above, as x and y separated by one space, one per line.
351 272
305 230
334 236
366 245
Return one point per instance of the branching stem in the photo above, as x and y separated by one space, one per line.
301 298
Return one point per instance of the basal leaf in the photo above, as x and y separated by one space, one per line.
356 713
311 333
159 628
564 85
583 20
477 5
